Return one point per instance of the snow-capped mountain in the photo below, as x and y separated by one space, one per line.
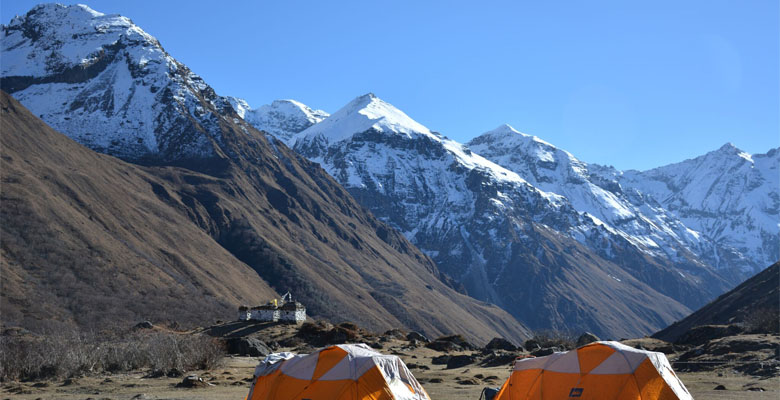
729 197
526 249
720 209
108 84
282 118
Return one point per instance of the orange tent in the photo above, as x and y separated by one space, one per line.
347 371
600 370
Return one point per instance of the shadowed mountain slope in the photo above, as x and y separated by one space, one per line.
760 293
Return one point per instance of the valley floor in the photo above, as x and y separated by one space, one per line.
232 382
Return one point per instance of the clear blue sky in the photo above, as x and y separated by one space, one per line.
617 83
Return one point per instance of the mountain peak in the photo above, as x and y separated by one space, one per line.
364 113
508 135
63 37
729 149
505 130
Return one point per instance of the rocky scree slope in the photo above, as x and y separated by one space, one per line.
271 209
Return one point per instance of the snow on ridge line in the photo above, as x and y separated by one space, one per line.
508 131
57 25
361 114
370 112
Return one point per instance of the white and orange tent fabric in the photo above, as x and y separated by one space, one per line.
342 372
599 370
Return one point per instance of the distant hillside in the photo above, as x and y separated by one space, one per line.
760 293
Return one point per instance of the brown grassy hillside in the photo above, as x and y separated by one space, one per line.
87 239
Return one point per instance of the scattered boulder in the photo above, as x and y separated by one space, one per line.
501 344
144 325
498 359
468 381
349 325
69 381
460 361
440 360
248 347
450 343
323 334
586 338
443 346
651 344
15 331
720 387
413 335
532 345
395 333
544 352
193 381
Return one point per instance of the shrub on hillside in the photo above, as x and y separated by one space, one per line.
763 320
74 354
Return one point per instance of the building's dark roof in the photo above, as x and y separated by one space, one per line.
265 307
292 306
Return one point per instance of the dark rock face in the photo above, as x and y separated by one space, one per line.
545 351
501 344
247 347
460 361
411 336
450 343
441 360
192 382
532 345
586 338
499 359
144 325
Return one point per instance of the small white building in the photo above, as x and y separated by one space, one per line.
293 312
286 310
244 314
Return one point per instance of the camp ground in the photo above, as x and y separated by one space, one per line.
600 370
